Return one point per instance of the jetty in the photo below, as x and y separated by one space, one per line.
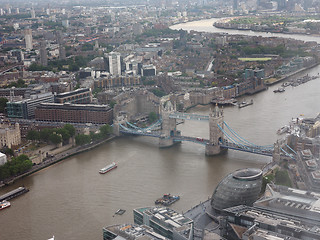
14 193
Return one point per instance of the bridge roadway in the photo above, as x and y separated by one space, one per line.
188 116
158 135
250 149
191 139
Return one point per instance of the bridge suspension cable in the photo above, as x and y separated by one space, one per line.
289 155
151 127
246 141
291 149
233 140
235 144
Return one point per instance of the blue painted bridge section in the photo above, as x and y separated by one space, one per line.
231 139
243 148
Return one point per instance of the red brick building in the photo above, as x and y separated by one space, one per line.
74 113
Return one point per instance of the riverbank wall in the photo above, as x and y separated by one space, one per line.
59 157
290 75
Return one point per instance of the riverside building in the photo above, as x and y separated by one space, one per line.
74 113
26 108
165 221
130 231
282 213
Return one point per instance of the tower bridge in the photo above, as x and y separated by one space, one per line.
221 135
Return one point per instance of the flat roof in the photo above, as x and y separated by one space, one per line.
74 106
66 94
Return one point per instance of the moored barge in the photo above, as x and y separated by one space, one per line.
14 193
167 199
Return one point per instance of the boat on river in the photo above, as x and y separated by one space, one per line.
120 211
244 103
4 204
167 200
108 168
280 89
224 101
283 130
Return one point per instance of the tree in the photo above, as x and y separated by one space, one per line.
282 178
158 92
64 134
112 103
45 134
3 104
7 150
15 166
106 129
55 138
87 47
152 117
33 135
71 130
82 139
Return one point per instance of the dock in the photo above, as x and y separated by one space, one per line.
14 193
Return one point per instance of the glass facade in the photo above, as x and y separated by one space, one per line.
239 188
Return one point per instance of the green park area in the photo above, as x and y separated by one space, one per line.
277 176
264 59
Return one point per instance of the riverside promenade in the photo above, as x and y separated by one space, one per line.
56 158
270 82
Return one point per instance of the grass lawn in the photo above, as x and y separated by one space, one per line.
255 59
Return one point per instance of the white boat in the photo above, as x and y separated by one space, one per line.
4 204
281 89
108 168
282 130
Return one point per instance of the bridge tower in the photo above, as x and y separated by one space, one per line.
118 120
169 129
276 155
216 135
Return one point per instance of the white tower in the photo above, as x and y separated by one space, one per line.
33 13
28 39
114 64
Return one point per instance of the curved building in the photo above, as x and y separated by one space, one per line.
241 187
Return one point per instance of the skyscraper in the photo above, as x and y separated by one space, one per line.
60 41
114 64
235 4
28 39
43 54
33 13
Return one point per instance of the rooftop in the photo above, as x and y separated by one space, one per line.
247 174
132 231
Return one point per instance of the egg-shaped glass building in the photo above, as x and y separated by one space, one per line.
241 187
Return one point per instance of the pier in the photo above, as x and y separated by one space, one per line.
14 193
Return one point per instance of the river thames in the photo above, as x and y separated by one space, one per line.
71 200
